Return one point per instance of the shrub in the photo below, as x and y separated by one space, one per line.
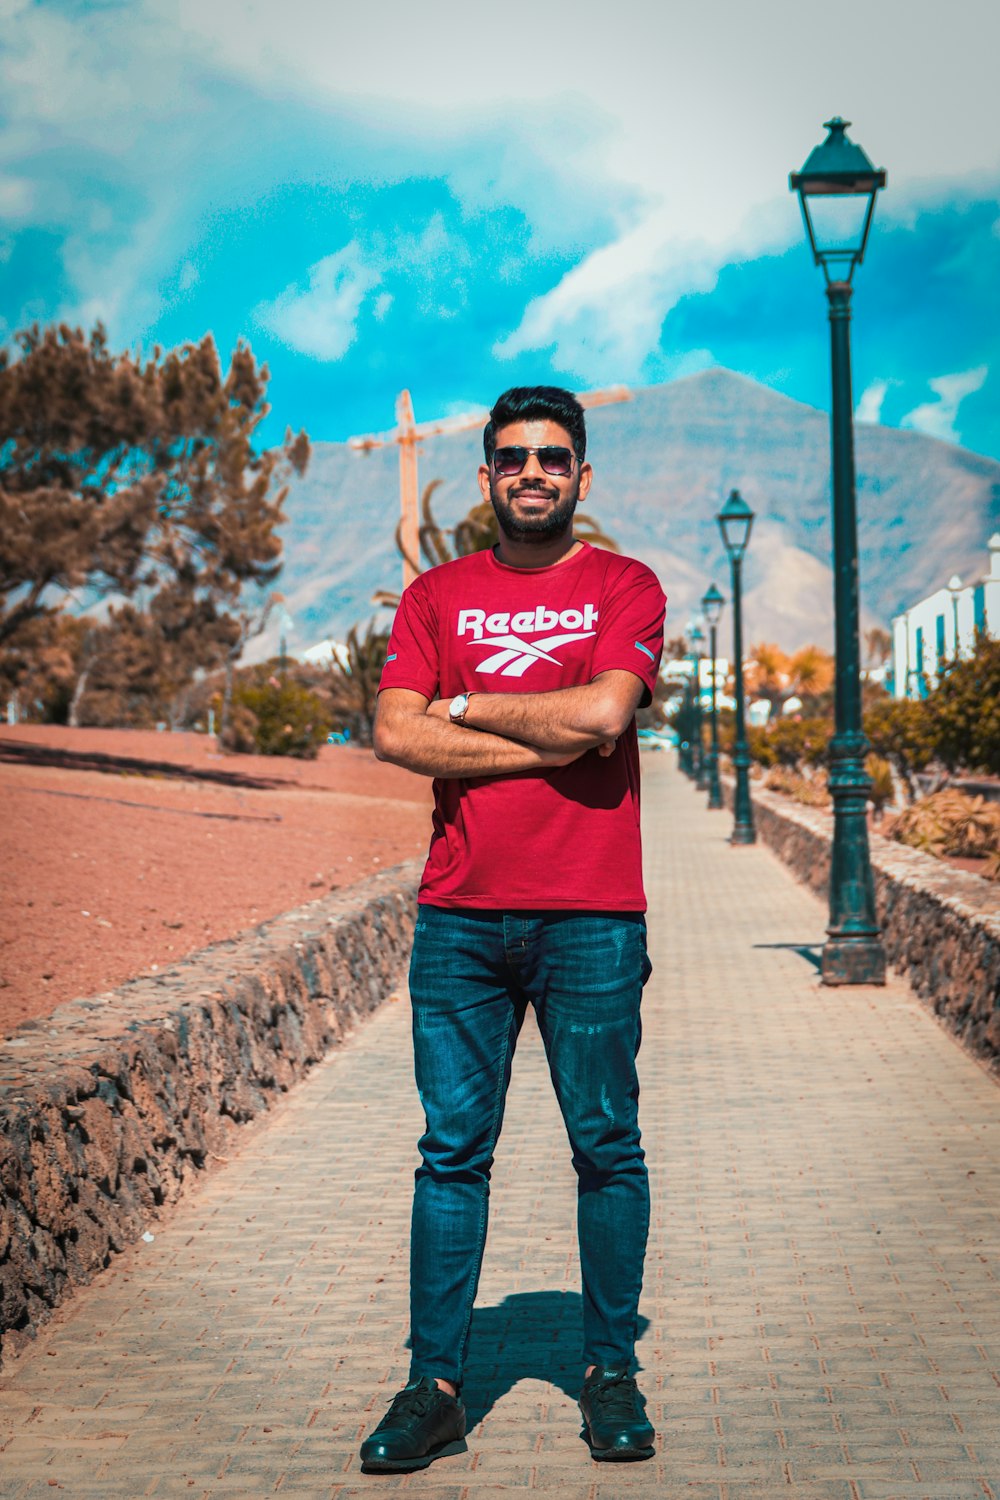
811 791
790 742
903 733
274 716
883 787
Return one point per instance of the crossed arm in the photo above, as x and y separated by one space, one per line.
505 732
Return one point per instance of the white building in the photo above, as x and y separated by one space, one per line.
944 626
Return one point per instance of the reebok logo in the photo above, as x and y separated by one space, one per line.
527 622
503 631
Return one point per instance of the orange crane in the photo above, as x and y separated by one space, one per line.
407 435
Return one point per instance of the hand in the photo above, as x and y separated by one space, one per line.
440 709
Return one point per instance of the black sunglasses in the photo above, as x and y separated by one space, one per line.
508 461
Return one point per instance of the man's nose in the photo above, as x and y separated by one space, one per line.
532 468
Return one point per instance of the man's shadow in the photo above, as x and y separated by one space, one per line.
530 1335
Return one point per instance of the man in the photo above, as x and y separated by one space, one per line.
513 677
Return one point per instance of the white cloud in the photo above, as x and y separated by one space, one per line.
644 70
869 408
16 198
603 318
690 115
938 418
321 318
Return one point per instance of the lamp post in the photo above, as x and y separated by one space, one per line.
698 770
735 520
837 189
711 603
954 589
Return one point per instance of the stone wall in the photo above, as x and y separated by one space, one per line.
940 926
110 1106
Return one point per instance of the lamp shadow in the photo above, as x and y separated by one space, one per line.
811 952
528 1336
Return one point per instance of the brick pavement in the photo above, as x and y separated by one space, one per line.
820 1317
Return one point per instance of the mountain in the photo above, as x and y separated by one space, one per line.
663 464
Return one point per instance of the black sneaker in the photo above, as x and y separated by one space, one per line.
614 1412
423 1423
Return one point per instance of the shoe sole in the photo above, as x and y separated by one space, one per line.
408 1465
620 1455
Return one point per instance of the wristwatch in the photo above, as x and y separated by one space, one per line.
458 708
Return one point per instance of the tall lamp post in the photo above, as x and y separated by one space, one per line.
684 751
837 189
954 589
711 603
698 769
735 520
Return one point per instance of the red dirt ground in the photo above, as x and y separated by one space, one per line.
110 870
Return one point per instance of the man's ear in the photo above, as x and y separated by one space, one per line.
586 475
484 482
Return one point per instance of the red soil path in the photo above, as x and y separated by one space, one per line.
110 870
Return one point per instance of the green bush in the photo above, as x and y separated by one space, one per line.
883 788
903 732
275 716
966 711
790 742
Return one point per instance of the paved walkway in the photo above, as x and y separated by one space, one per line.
821 1310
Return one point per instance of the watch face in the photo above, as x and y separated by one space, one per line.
458 705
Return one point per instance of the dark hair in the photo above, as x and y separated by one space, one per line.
524 403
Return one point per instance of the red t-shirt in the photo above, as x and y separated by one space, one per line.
565 837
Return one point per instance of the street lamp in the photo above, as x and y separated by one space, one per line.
696 637
735 520
954 589
684 751
711 604
837 189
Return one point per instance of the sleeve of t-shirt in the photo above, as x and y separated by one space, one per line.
630 626
412 660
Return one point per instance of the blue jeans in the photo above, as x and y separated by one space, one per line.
472 975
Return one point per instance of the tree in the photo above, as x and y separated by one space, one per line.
128 476
353 684
40 669
120 681
878 645
767 675
811 673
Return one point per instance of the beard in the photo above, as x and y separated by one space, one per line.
542 527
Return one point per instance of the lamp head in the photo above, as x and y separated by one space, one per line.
711 604
837 188
735 520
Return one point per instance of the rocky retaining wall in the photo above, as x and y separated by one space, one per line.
110 1106
940 926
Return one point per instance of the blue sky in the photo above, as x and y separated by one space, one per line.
383 196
